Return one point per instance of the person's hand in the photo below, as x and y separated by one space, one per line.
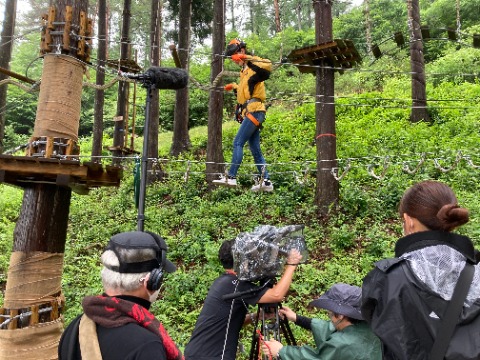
285 311
229 87
271 347
294 257
239 57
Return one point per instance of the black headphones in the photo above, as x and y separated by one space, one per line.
156 275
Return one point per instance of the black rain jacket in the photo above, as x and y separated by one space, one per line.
402 311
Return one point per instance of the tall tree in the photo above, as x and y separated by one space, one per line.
215 103
6 46
417 65
123 86
327 191
232 15
100 80
154 111
278 26
36 262
181 139
200 19
368 24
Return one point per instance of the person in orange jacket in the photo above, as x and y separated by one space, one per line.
250 112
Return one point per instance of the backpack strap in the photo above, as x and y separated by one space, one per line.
88 339
452 314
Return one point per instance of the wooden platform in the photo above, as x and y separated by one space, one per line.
340 54
81 177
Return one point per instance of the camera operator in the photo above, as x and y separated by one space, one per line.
346 336
217 330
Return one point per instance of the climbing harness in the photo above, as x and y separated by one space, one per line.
239 112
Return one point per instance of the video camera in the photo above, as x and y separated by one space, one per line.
262 253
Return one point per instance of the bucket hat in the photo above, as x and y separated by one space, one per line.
341 299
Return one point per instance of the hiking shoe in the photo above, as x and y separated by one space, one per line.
225 181
265 185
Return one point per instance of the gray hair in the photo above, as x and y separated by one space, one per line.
120 281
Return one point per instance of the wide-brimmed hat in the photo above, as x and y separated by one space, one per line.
140 240
341 299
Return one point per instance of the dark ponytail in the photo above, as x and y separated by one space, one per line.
434 204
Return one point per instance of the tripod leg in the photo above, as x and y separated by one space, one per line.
255 347
287 331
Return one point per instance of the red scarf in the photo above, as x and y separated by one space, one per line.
113 312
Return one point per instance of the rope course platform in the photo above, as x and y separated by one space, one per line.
80 177
341 54
125 65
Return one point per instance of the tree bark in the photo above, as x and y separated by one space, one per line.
278 25
153 122
181 140
100 80
215 104
368 24
43 221
35 268
123 87
417 66
327 191
6 45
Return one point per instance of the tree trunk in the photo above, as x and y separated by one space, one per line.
181 139
278 25
215 104
368 24
43 221
153 123
123 88
327 191
6 45
251 8
298 10
417 65
36 263
232 14
100 80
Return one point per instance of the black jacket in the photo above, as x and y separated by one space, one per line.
405 313
131 341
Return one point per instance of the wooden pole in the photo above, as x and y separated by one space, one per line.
327 192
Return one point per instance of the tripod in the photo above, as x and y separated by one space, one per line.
272 326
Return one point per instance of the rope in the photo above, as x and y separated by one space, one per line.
261 341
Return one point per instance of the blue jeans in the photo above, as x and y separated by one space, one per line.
248 132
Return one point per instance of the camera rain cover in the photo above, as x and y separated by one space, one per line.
263 252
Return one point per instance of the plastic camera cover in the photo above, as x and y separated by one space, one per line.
262 253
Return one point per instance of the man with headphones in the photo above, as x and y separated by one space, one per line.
118 324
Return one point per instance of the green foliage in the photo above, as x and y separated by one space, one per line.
201 18
455 64
21 110
443 13
373 135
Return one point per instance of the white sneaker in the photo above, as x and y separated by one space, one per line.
266 185
225 181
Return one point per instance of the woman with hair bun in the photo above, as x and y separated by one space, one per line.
404 299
